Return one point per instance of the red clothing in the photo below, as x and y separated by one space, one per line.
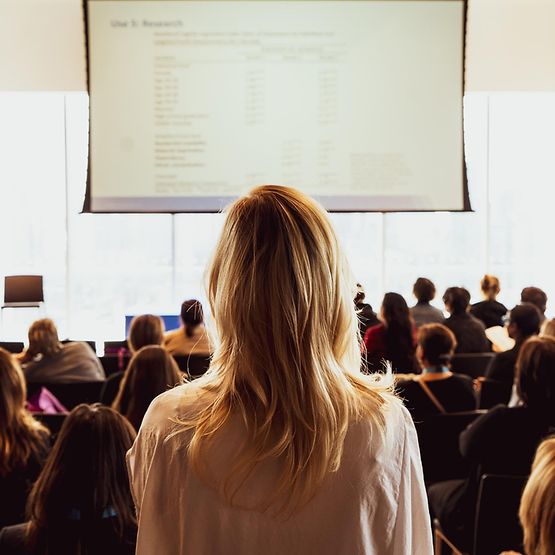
374 341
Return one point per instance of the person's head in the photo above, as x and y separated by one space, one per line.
436 345
524 321
535 375
289 356
549 329
146 329
191 316
537 506
535 296
394 309
490 287
43 338
360 294
456 300
84 479
20 434
424 290
151 371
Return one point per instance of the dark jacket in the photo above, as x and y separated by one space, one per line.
470 333
489 312
502 367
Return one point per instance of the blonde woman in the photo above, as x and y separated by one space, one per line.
537 506
24 443
489 311
283 446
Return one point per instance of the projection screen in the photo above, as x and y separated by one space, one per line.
358 103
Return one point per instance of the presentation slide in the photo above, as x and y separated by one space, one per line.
357 103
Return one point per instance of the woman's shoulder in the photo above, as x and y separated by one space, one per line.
12 540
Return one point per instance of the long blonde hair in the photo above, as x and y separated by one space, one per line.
21 436
288 362
537 506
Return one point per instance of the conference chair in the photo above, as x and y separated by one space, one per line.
438 437
474 365
70 394
110 388
493 393
52 421
113 364
193 365
115 347
12 346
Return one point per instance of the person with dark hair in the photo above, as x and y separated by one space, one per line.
145 329
151 371
49 361
24 442
437 390
81 502
423 312
366 315
489 311
469 331
502 441
537 297
524 322
394 339
191 338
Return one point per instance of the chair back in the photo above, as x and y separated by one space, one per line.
438 437
12 346
71 394
52 421
494 393
474 365
113 364
497 526
193 365
110 388
114 347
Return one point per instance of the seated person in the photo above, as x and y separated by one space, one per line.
502 441
24 443
489 311
47 360
146 329
366 315
81 502
423 312
437 390
538 298
537 506
549 328
469 331
394 339
191 338
151 371
524 322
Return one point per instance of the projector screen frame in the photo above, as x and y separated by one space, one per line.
225 201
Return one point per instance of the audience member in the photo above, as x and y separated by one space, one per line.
146 329
524 322
151 371
366 315
81 502
394 339
549 328
503 441
437 390
191 338
537 506
537 297
469 331
423 312
24 442
489 311
47 360
284 443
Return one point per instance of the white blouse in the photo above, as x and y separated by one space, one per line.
374 504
